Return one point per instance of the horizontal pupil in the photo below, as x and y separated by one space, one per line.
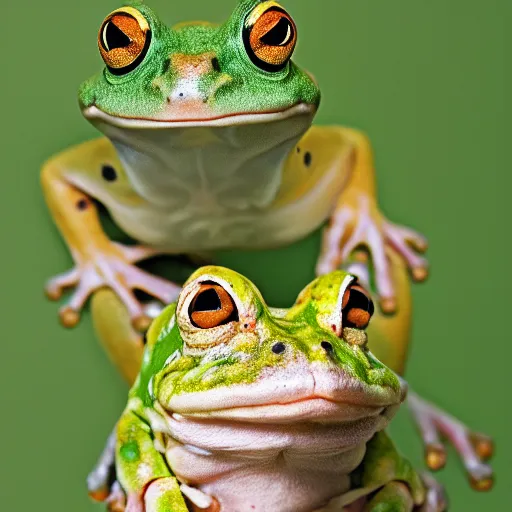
280 35
114 37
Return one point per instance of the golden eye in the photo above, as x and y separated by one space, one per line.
212 306
357 307
124 40
270 36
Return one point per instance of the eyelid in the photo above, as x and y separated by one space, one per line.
143 22
258 11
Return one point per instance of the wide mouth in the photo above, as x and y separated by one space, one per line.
94 113
318 396
313 409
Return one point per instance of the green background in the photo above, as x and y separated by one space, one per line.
425 79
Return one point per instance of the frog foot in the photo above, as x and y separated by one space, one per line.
475 449
116 501
352 227
112 267
100 478
435 498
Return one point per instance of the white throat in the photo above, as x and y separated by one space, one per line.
214 167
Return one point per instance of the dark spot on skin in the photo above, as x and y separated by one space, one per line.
181 95
279 348
216 64
333 327
327 346
82 204
167 66
308 158
298 150
108 173
246 326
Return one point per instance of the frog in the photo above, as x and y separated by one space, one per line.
239 406
208 143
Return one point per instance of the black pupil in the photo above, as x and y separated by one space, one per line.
358 300
280 35
115 37
208 301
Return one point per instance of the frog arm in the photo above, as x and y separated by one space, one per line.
383 464
70 181
141 469
357 221
383 482
111 321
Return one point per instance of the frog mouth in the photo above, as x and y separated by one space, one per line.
317 394
313 409
200 119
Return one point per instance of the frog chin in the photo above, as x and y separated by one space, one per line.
196 117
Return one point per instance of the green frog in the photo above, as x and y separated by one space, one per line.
208 143
243 407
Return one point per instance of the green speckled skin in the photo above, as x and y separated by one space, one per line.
300 327
169 371
246 89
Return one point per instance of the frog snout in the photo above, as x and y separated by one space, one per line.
190 69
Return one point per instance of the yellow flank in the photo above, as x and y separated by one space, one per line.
84 165
112 324
328 153
389 335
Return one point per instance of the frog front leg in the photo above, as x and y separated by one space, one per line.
141 470
393 485
393 497
357 221
99 262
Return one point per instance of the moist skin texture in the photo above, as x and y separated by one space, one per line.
272 410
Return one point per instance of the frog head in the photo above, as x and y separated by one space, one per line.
197 74
237 359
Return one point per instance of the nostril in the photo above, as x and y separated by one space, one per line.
216 64
327 346
279 348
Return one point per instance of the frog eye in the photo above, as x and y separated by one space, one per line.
357 307
124 40
212 306
270 36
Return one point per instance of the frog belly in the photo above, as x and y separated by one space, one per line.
204 224
286 468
